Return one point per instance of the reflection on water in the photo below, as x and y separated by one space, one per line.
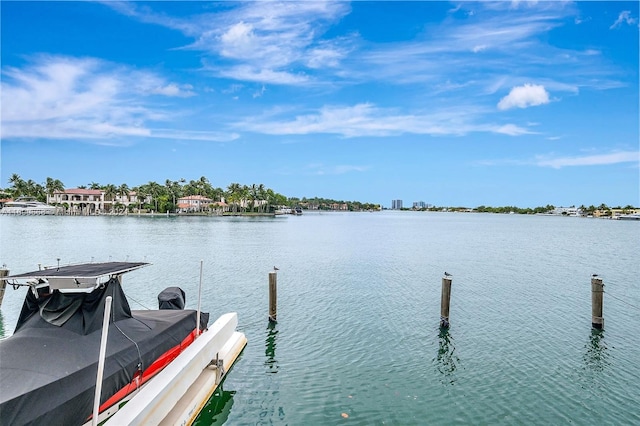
596 360
270 348
373 270
446 361
270 407
216 410
1 326
596 352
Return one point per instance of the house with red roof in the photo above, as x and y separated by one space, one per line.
92 201
197 203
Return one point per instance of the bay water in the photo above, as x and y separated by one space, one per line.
357 339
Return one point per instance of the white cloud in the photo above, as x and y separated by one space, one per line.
173 89
321 169
285 43
524 96
589 160
194 135
57 97
259 41
259 93
623 18
262 75
512 130
368 120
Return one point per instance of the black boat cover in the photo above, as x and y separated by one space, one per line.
48 371
171 298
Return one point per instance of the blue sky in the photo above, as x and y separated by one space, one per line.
493 103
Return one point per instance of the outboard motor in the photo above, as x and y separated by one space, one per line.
171 298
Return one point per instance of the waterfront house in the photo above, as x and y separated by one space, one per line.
614 213
80 201
194 203
567 211
339 207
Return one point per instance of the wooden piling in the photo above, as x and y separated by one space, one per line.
273 296
444 301
3 284
597 292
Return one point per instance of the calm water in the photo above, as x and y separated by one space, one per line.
359 304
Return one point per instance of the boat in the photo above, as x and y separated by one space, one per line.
286 210
28 206
633 216
283 211
80 355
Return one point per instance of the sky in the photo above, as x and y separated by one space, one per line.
450 103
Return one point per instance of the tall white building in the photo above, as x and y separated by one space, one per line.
396 204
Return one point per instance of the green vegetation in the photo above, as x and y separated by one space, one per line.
606 210
329 204
245 199
255 198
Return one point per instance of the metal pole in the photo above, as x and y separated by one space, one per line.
199 299
103 351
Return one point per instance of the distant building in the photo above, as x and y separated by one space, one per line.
567 211
396 204
419 205
194 203
92 201
337 206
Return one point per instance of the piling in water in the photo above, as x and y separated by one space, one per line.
3 284
273 296
597 292
445 300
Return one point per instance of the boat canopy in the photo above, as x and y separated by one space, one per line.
74 278
49 365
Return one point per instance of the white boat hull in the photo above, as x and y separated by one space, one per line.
178 393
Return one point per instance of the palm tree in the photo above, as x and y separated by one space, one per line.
244 196
217 194
94 185
53 185
110 192
262 194
233 194
123 190
172 189
155 190
19 186
270 197
204 186
36 190
141 194
191 188
253 195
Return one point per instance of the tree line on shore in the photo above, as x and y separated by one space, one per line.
255 197
163 198
585 210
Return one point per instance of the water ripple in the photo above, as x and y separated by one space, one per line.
357 338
